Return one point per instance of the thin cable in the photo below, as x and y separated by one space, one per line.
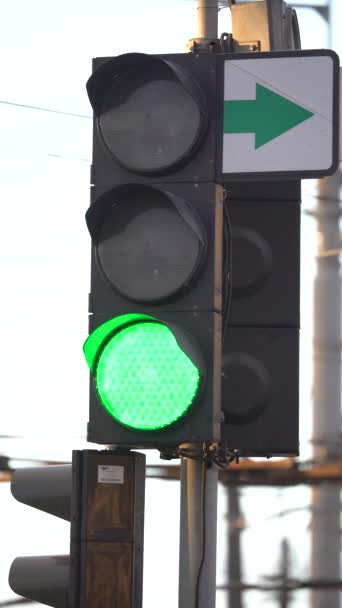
28 107
203 531
227 254
227 266
15 602
40 154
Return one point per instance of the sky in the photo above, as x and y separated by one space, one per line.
46 50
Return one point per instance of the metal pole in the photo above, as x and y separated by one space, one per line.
207 11
284 598
198 534
198 507
234 549
325 524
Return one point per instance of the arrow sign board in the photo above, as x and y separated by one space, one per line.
279 115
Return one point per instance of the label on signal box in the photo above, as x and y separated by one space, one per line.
110 474
279 115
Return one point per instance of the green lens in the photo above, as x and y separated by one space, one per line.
93 343
144 379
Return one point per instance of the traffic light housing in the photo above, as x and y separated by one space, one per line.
156 224
264 26
50 580
154 115
102 495
260 358
168 262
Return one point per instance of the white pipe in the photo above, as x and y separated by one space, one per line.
207 18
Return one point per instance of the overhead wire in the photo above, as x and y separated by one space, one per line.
15 602
42 109
203 532
51 111
227 281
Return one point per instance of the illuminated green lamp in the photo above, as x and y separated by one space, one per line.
143 376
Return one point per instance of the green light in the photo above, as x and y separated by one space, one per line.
143 378
94 342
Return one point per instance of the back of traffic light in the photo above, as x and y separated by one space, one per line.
102 495
46 579
264 26
155 220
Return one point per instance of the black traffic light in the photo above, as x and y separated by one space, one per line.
156 224
260 358
106 543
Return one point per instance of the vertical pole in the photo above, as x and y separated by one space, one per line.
326 545
198 534
198 507
207 11
325 525
234 549
284 599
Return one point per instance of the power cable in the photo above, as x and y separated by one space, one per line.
41 109
211 454
40 154
227 283
203 531
15 602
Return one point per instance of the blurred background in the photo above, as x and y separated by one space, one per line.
266 535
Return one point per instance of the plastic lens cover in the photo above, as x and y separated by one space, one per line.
143 377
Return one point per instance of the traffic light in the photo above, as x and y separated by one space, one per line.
266 25
191 244
49 579
260 358
102 495
156 224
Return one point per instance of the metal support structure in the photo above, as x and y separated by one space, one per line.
284 596
234 548
198 507
207 27
322 7
326 499
325 524
198 535
207 11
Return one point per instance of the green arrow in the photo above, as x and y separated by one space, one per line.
268 115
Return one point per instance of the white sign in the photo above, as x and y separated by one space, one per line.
110 474
280 114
